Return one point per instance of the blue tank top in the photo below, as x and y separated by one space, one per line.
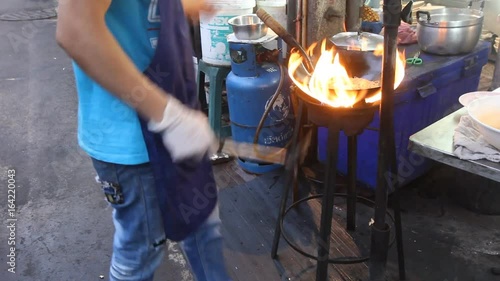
109 129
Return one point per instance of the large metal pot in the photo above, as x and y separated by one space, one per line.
449 31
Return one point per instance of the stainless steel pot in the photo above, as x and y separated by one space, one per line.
449 31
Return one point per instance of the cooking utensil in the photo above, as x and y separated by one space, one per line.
358 41
361 64
283 34
449 31
355 50
484 112
301 74
248 27
353 120
415 60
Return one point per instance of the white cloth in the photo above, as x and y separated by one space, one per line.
469 144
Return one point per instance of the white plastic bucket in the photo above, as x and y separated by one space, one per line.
214 29
277 9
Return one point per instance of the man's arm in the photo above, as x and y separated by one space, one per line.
83 34
192 8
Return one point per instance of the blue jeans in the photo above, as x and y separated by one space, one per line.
139 239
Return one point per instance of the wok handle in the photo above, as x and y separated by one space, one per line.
424 13
283 34
277 27
481 7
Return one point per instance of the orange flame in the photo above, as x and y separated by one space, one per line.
330 82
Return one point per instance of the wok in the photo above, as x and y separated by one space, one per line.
362 64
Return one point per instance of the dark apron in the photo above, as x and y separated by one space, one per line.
186 191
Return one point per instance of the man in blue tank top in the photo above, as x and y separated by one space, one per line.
139 122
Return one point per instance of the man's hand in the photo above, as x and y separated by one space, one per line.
186 132
193 7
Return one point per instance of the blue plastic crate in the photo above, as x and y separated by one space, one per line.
428 93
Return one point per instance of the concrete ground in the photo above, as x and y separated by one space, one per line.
444 239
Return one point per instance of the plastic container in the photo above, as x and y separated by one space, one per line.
277 9
214 29
428 93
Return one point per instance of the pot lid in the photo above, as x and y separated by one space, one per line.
450 17
363 41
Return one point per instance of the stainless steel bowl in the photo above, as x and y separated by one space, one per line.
248 27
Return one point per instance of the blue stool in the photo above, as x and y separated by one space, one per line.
216 75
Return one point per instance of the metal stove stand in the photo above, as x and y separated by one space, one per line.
334 124
352 122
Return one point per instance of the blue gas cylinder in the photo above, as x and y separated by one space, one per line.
250 86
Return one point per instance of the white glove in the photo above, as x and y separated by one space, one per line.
186 133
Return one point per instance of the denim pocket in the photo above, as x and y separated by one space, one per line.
112 191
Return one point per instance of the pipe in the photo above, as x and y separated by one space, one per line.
292 16
297 20
353 17
387 166
268 109
386 158
352 154
287 37
303 22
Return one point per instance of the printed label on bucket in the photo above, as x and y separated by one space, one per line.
214 39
